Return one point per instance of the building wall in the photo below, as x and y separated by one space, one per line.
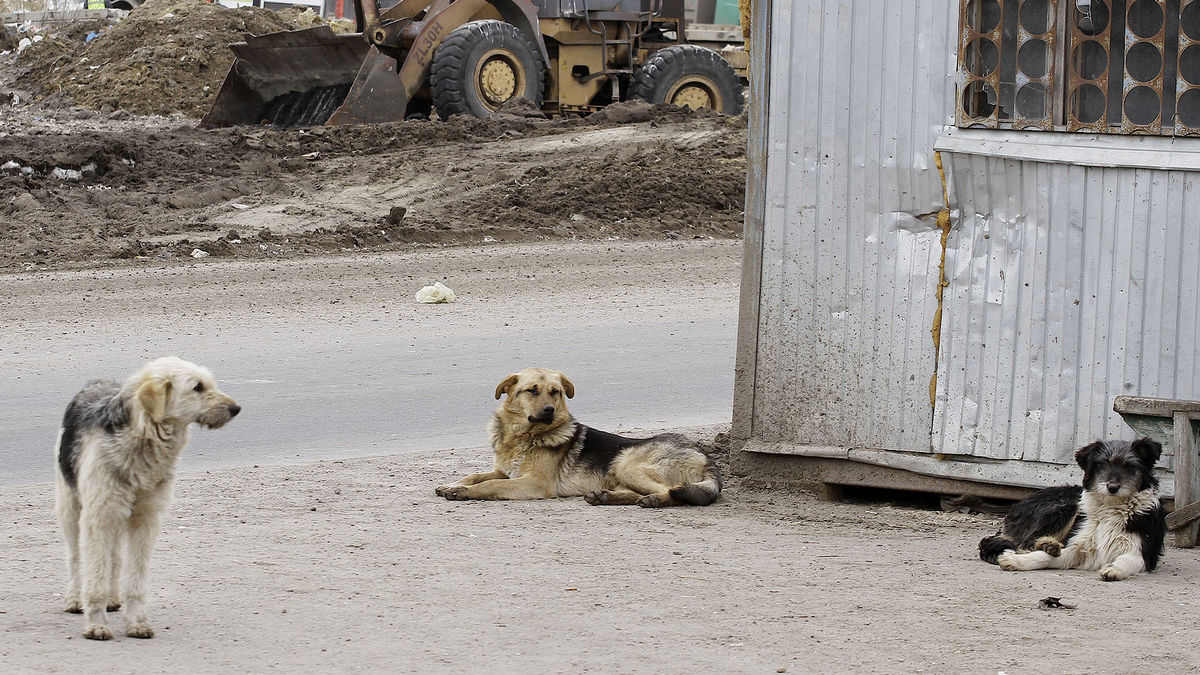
858 92
1070 261
1068 286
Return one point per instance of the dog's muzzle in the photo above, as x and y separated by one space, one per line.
546 416
218 417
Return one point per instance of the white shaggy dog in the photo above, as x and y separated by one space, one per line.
117 451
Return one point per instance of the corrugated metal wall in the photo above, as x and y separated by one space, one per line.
858 93
1069 286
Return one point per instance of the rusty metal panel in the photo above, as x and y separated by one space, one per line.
850 243
1130 67
1187 86
1007 63
1103 66
1087 81
1068 286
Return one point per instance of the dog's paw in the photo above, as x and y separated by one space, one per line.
1050 545
1111 573
113 605
1008 561
453 491
441 490
73 605
97 631
139 630
596 497
651 502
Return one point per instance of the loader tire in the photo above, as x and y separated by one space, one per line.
481 65
688 75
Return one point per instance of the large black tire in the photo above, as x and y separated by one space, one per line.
689 75
481 65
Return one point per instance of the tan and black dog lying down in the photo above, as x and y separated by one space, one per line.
541 452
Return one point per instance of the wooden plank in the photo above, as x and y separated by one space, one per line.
1187 476
1161 429
1156 407
1184 516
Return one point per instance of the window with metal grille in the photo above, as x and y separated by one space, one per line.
1108 66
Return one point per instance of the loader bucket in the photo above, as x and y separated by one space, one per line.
298 78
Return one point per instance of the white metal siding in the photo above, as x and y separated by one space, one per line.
1069 286
858 93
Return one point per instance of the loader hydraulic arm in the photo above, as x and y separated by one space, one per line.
399 27
375 26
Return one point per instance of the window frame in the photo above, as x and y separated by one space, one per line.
994 74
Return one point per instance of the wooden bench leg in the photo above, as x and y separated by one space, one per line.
1187 475
832 493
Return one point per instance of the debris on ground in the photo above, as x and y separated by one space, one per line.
436 293
130 187
1054 603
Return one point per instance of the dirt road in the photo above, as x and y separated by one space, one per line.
355 566
332 357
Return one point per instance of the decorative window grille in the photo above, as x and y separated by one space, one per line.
1107 66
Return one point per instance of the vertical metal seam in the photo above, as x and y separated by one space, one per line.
746 368
943 223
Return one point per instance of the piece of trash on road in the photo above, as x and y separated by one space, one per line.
197 253
438 292
1054 603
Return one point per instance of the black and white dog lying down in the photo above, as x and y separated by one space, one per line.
1113 523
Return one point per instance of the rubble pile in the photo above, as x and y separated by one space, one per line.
167 56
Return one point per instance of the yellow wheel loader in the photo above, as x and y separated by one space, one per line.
470 57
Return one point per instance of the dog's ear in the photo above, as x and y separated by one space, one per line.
1148 450
567 386
152 395
504 386
1083 456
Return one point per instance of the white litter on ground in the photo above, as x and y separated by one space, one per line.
438 292
197 253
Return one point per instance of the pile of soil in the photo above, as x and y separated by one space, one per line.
88 189
167 56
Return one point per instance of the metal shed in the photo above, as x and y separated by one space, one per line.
943 302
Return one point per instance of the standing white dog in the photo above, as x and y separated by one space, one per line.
117 451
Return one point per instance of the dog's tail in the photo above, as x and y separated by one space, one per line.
990 548
701 493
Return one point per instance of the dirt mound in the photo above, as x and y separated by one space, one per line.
83 188
683 187
167 56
